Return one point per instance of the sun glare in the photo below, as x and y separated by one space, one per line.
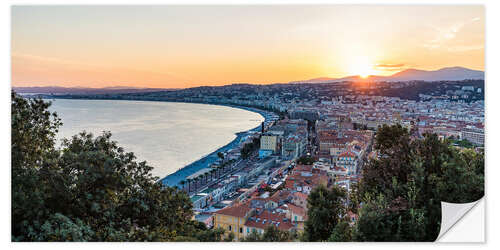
362 67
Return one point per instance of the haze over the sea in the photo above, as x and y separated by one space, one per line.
167 135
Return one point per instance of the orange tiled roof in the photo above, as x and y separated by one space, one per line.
280 195
300 195
267 219
240 210
348 154
296 209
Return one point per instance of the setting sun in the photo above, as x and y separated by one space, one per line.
168 53
362 66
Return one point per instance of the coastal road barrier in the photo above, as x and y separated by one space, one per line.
174 178
220 178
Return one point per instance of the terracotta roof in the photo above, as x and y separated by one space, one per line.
348 154
280 195
296 209
301 167
240 210
266 219
300 195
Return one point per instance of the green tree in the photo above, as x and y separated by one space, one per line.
253 237
273 234
248 148
305 160
215 235
401 192
89 189
229 237
325 210
342 232
354 202
212 173
33 131
220 155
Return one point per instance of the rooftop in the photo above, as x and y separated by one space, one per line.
238 210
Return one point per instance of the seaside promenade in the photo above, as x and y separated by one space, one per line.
234 169
175 178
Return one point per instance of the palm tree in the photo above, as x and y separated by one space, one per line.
195 182
212 172
198 183
219 169
189 185
182 184
220 155
205 175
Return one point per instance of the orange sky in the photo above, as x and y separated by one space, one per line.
184 46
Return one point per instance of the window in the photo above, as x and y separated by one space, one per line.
248 230
230 229
241 230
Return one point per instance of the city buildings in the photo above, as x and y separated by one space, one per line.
268 145
333 125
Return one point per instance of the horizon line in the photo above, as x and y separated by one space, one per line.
126 86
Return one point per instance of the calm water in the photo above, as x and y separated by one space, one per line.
166 135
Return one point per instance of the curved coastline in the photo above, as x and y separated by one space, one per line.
174 179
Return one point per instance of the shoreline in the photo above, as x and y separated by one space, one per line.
173 179
205 161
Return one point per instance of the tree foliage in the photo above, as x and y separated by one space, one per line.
326 208
229 238
271 234
401 192
305 160
253 237
342 232
220 155
88 189
248 148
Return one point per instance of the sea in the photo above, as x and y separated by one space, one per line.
167 135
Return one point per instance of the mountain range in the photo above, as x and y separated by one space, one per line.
444 74
85 90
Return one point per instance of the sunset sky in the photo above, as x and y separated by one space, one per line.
183 46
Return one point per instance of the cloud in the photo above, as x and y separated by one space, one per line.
475 19
444 35
462 48
389 67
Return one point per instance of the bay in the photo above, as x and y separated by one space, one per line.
167 135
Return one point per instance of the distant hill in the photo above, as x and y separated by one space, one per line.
84 90
444 74
451 74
